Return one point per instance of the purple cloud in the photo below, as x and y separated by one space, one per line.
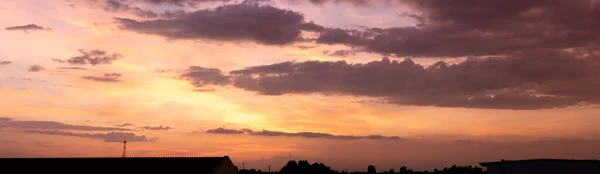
111 137
298 134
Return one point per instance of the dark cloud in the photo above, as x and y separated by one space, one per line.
28 27
124 125
532 80
245 21
101 79
72 68
157 128
343 53
36 68
193 3
108 77
204 77
5 62
225 131
10 123
91 57
196 2
461 28
479 28
353 2
299 134
524 54
107 137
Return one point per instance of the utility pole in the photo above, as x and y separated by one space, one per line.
269 168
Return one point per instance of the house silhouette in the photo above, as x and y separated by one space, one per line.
199 165
543 166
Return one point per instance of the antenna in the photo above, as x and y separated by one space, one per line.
124 149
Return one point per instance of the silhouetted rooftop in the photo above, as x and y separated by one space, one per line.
134 157
201 165
541 160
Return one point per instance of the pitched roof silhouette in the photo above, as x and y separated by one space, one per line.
200 165
541 160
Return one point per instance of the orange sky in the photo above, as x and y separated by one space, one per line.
143 97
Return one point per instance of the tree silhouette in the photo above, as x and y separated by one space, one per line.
304 167
403 170
371 169
290 168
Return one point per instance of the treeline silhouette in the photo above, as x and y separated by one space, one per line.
304 167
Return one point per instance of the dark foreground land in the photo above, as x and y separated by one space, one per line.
224 165
304 167
197 165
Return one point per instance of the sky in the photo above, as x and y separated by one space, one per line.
350 83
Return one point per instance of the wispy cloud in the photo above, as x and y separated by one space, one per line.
28 27
36 68
91 57
101 79
108 77
72 68
124 125
225 131
5 62
72 86
299 134
107 137
157 128
343 53
122 6
10 123
112 75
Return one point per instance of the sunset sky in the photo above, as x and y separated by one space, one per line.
418 83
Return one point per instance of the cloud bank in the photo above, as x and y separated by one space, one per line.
10 123
532 80
299 134
246 21
111 137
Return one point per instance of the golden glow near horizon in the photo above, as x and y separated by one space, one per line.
146 98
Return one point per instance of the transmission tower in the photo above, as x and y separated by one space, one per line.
124 149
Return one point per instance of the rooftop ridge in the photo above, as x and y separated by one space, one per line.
542 159
133 157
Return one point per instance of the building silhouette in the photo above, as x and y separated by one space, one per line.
543 166
131 165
